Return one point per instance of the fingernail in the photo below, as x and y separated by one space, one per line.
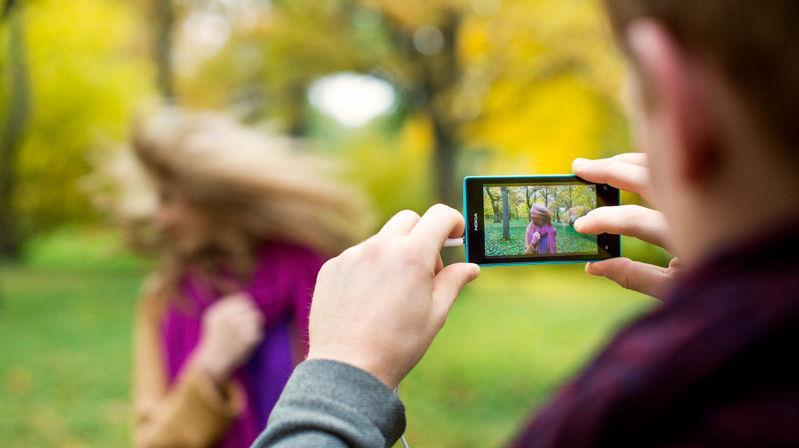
577 222
475 271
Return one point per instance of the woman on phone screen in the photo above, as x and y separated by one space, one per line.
540 236
243 225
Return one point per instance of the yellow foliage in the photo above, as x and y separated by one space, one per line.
417 136
415 13
473 39
395 173
529 84
86 77
540 129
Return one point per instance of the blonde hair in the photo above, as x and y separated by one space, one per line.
250 187
541 212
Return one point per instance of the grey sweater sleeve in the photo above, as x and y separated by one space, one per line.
328 404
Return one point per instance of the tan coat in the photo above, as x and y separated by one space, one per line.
194 412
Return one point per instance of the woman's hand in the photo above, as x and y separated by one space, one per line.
231 330
378 305
627 172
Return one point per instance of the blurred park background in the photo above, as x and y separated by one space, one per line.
409 95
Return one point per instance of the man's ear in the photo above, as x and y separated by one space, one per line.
674 96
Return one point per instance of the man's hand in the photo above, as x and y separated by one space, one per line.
378 305
627 172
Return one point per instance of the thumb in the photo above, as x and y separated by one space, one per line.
642 277
448 283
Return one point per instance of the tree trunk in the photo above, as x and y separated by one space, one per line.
445 163
571 202
494 205
13 127
296 110
164 18
571 196
546 198
505 214
433 78
440 73
528 195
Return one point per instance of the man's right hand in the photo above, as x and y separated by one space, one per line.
379 304
627 172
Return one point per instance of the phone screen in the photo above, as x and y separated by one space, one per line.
530 219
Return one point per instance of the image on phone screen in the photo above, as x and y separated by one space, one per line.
530 219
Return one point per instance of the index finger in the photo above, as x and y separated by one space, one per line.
633 158
630 220
401 223
436 225
624 176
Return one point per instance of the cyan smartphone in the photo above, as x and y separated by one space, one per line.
530 220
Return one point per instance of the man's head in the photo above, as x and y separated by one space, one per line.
712 89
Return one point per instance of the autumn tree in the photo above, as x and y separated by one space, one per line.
71 74
472 69
483 86
529 199
163 19
505 214
16 108
494 203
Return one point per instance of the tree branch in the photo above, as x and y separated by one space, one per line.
7 7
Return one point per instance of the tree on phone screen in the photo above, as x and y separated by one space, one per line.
505 214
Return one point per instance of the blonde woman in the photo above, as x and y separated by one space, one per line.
540 237
245 225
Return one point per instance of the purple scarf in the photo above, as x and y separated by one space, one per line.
547 244
281 286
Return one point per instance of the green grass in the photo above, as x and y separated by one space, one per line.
568 240
65 328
